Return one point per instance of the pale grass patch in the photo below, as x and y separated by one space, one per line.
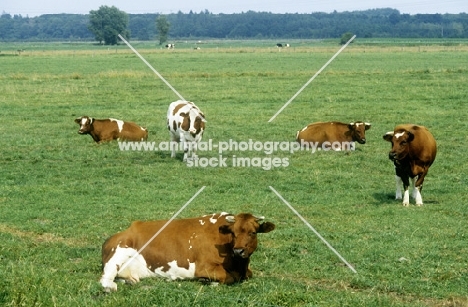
41 238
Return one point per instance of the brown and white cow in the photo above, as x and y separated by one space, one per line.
102 130
214 248
186 124
413 151
333 135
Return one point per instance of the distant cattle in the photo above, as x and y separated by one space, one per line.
279 45
170 46
102 130
413 151
336 135
212 248
186 124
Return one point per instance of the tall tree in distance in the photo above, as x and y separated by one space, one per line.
162 27
107 23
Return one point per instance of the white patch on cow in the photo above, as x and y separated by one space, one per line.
83 121
175 272
120 123
397 135
213 220
406 198
202 222
133 270
418 197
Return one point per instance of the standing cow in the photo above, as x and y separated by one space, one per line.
334 135
413 151
214 248
102 130
186 124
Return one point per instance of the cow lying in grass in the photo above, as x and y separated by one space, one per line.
336 135
215 248
103 130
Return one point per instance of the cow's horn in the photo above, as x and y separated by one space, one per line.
230 218
259 218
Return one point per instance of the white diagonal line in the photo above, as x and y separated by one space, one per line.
311 79
151 67
160 230
315 231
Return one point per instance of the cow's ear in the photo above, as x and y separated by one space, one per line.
266 227
77 120
368 126
225 229
410 136
388 136
203 118
351 126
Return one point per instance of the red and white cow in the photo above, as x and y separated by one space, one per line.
102 130
186 124
214 248
333 133
413 151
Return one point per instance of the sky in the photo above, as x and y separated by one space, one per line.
34 8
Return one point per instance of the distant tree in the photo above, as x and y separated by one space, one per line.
107 23
345 37
162 27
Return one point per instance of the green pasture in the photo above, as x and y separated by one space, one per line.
62 195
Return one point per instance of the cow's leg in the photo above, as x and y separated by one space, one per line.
418 185
174 144
107 279
193 149
398 183
418 197
405 180
186 150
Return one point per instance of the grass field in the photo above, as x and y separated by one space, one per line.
62 195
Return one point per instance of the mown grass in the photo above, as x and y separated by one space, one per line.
62 195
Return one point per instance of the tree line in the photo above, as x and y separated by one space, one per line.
376 23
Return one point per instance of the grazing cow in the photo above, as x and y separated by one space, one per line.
170 46
186 124
103 130
214 248
413 151
287 45
334 135
279 45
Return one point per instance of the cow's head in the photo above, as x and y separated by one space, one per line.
193 121
85 123
244 228
358 131
400 143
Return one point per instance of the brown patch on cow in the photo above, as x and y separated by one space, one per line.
185 125
177 108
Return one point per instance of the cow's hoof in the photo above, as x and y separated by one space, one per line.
405 204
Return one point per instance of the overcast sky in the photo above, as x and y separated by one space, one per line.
33 8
